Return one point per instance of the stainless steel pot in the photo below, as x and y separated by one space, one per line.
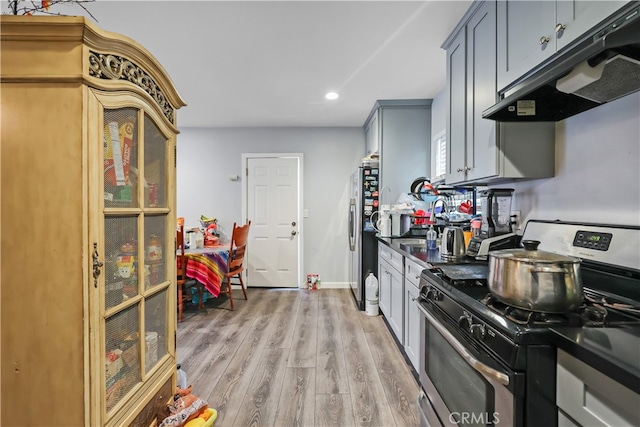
535 280
452 244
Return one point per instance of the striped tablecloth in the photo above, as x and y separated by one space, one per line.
208 266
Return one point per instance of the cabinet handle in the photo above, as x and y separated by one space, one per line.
96 264
459 170
467 168
560 28
544 40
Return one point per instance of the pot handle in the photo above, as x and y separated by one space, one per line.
531 245
549 270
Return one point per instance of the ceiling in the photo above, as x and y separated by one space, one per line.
270 63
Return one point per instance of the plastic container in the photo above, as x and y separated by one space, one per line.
475 227
182 378
371 295
432 237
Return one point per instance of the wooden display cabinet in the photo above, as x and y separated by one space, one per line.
88 300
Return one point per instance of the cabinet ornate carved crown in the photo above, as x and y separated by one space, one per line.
88 226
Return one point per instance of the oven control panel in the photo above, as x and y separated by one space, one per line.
616 245
592 240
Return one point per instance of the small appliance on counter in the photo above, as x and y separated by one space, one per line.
495 228
400 219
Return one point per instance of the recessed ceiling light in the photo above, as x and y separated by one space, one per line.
331 96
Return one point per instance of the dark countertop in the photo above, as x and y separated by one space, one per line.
612 351
420 254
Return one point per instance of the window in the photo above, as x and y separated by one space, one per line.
439 154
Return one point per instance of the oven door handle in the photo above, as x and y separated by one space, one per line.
472 361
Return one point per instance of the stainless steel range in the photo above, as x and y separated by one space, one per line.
484 362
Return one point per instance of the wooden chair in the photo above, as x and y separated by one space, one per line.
237 251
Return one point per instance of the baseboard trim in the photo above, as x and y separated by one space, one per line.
330 285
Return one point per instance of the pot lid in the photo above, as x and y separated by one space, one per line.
530 253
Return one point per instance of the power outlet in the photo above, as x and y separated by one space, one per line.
516 221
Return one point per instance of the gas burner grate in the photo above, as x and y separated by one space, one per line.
588 314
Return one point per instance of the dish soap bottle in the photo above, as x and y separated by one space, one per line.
431 239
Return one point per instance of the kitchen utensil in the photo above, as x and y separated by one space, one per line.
452 244
466 207
464 271
535 280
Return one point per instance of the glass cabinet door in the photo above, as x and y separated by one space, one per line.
138 249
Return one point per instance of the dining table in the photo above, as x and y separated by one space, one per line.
208 266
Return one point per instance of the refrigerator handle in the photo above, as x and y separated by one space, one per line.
352 225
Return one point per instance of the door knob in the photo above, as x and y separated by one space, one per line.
293 232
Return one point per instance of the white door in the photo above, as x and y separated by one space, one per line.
273 207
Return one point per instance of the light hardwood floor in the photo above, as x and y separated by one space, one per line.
296 358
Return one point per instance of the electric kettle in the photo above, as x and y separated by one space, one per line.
452 244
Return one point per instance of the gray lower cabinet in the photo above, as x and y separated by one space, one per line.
530 32
412 272
400 131
587 397
391 292
481 150
384 286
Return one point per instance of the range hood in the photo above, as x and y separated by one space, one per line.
601 67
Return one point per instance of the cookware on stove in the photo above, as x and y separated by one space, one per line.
535 280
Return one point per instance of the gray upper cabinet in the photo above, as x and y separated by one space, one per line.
371 131
456 113
529 32
481 150
481 147
400 130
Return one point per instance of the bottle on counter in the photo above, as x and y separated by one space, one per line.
475 227
432 237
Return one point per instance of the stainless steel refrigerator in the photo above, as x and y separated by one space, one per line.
363 202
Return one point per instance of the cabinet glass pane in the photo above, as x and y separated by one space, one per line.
155 323
122 359
155 147
121 258
120 157
155 250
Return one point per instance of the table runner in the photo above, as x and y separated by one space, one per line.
208 267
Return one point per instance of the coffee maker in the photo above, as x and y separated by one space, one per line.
495 230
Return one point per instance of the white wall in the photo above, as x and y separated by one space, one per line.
208 156
597 176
